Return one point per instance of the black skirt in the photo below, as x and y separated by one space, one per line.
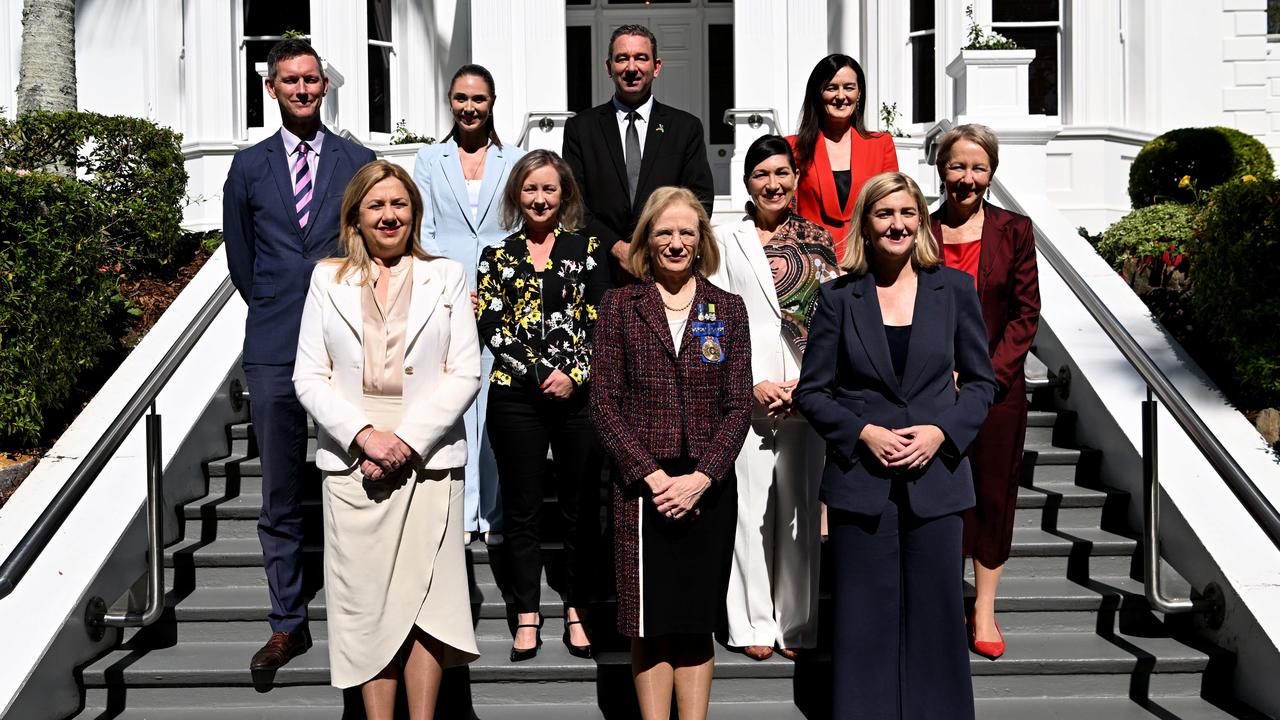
685 564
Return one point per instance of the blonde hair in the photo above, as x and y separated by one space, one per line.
568 215
980 135
706 258
351 242
924 253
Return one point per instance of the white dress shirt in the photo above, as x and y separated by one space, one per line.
642 122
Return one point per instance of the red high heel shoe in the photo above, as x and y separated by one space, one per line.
990 649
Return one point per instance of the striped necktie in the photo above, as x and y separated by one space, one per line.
302 185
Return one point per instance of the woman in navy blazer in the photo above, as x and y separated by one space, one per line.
461 180
897 379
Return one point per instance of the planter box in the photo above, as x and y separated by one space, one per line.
991 84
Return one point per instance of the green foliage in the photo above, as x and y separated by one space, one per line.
404 136
1163 230
980 39
56 295
133 167
1180 163
1236 253
889 117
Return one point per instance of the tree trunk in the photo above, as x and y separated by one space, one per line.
47 68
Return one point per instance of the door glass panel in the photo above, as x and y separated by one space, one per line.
719 83
1024 10
579 66
921 15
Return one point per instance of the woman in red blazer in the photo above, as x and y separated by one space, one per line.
998 249
835 153
671 401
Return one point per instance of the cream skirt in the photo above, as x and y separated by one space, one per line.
393 558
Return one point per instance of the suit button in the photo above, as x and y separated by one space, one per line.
408 370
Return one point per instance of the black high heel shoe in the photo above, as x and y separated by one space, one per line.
518 655
578 651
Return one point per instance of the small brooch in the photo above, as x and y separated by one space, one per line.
660 128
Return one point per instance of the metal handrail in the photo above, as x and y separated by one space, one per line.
546 122
64 502
1159 386
755 117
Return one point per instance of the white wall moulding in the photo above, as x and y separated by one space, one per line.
991 83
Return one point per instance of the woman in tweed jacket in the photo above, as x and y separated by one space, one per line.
672 401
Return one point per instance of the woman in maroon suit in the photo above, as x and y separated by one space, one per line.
672 401
998 249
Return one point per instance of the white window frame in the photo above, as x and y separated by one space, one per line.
1059 24
242 68
394 84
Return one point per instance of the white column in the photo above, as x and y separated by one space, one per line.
212 97
767 79
523 45
340 33
10 50
1092 80
844 28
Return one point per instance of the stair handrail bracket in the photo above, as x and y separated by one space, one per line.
77 527
1210 487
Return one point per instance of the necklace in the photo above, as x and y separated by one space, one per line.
478 167
682 308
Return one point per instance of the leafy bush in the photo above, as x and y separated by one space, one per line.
1236 251
1149 232
1180 163
134 168
56 295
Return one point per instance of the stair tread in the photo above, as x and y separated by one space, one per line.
1193 708
1035 541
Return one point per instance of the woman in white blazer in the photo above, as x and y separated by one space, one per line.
388 361
775 260
461 180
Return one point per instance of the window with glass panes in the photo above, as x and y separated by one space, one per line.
1037 25
923 38
381 50
264 24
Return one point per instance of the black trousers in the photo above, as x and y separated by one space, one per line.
522 424
899 648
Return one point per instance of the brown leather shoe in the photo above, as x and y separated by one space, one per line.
758 652
790 653
280 649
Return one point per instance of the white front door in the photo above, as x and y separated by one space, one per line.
691 38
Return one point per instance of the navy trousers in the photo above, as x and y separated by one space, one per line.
280 427
900 650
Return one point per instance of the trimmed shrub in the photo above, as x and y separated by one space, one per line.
1149 232
1208 157
134 168
56 296
1235 253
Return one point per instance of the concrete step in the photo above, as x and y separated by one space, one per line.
1098 709
247 552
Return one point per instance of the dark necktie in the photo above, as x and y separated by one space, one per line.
302 185
633 155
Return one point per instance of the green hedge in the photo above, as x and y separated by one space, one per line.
134 168
1149 232
56 296
1208 157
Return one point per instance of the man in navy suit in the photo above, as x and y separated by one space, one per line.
280 212
623 150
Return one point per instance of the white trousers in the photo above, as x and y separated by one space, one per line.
773 587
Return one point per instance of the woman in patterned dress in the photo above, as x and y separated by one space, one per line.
775 260
537 297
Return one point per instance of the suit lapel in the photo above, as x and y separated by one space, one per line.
451 163
652 145
493 166
748 243
993 241
422 303
345 297
649 307
608 120
279 162
869 323
331 155
930 310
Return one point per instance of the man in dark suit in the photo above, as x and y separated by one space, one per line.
280 212
623 150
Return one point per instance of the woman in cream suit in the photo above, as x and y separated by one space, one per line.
388 362
461 181
775 260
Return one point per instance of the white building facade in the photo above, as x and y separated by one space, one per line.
1108 75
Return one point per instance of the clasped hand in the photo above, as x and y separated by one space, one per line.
676 496
907 448
557 386
384 453
775 396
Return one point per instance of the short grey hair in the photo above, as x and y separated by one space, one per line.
980 135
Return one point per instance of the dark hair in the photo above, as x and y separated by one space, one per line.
288 49
812 113
765 147
483 73
570 215
640 30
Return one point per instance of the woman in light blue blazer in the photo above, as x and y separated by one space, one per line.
461 180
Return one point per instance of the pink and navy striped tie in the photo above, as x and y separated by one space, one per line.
302 185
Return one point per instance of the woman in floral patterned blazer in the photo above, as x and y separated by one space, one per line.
537 298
